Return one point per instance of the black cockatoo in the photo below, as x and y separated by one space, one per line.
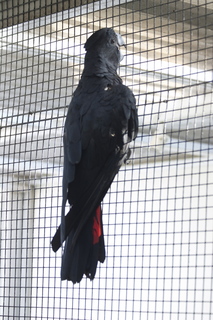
101 121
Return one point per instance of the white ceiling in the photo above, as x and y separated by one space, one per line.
168 65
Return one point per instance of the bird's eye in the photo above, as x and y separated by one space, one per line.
112 41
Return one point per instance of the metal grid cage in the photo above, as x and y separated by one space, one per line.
158 220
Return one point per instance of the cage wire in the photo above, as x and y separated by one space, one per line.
157 215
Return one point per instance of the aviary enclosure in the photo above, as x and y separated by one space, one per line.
158 213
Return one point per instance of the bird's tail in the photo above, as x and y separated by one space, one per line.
82 256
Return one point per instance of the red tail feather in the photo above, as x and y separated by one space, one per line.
96 229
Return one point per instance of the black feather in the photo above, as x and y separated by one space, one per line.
101 121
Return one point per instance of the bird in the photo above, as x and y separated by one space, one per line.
101 122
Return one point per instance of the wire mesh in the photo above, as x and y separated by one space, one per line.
158 220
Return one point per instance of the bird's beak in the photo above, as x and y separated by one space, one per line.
120 43
120 40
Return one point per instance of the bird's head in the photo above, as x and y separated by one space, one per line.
105 45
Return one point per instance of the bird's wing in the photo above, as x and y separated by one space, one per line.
72 154
100 139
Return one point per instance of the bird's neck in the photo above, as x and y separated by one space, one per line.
97 65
